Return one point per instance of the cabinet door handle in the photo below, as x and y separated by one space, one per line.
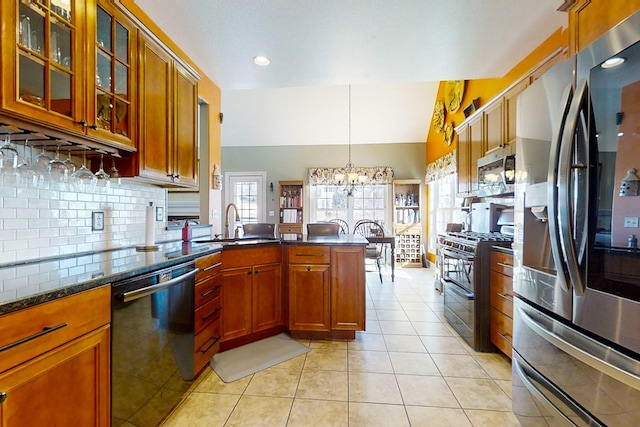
501 264
3 396
45 331
94 126
82 123
257 271
215 340
210 291
249 273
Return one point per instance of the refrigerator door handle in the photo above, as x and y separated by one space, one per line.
553 335
526 375
552 193
566 214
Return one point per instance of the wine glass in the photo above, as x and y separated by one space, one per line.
41 166
58 172
9 155
83 179
113 172
70 164
101 176
26 174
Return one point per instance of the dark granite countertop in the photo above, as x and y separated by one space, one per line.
616 250
47 279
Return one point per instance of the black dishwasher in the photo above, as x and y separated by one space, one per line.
152 334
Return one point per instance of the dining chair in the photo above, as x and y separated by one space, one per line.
344 225
369 228
323 229
263 230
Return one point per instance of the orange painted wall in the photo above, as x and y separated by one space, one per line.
486 89
207 89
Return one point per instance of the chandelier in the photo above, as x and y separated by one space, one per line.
349 177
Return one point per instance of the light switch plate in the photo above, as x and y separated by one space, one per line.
97 221
631 222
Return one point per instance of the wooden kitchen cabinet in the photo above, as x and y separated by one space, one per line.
501 296
61 376
70 66
208 307
168 97
471 146
326 288
309 288
251 291
348 288
494 125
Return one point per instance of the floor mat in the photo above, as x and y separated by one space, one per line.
239 362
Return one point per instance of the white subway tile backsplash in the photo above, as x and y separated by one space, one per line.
44 222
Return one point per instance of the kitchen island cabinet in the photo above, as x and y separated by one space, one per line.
325 286
55 362
251 293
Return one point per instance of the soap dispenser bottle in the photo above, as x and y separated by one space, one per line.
186 231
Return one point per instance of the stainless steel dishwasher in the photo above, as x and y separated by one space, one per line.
152 344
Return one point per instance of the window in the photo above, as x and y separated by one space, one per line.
368 202
247 191
444 207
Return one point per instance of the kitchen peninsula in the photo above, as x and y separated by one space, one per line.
251 289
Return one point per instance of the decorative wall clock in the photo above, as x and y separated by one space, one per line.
453 91
448 133
438 116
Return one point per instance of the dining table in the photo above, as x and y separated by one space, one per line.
387 239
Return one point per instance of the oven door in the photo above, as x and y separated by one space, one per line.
563 377
459 309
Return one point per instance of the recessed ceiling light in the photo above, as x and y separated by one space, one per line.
613 62
262 61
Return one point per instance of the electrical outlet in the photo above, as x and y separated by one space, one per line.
97 221
272 213
631 222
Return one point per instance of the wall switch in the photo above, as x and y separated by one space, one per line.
272 213
631 222
97 221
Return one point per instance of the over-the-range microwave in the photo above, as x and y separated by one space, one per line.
497 173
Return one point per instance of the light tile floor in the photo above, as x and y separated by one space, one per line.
408 369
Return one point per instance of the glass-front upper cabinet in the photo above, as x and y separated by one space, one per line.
110 90
41 73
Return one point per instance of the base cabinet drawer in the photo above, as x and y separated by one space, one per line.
207 344
501 327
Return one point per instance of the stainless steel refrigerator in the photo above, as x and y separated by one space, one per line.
576 337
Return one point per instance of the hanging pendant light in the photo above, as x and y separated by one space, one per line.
349 176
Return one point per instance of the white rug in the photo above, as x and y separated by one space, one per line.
239 362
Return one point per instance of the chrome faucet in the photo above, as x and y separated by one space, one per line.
226 218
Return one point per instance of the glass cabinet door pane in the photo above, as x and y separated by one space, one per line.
60 44
31 81
62 8
103 108
122 80
61 92
122 43
104 29
121 126
103 73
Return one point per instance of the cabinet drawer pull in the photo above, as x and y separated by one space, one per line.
507 297
210 315
505 337
308 268
502 264
3 396
210 291
45 331
215 340
309 254
218 264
